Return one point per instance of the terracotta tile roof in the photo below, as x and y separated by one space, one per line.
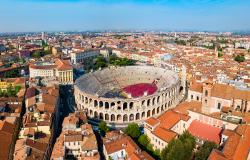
200 130
185 106
72 136
227 91
216 155
29 149
6 137
71 119
7 127
31 92
196 86
125 142
164 134
58 150
89 143
63 64
170 118
152 121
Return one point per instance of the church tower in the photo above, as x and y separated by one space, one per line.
206 97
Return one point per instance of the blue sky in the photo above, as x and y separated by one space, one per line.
80 15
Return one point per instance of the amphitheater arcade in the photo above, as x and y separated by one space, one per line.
91 94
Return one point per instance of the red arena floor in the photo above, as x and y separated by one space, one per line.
137 90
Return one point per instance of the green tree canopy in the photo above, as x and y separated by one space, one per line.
143 140
100 62
239 58
103 128
179 149
205 150
133 130
36 54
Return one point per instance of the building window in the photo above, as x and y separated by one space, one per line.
205 101
219 105
192 96
197 98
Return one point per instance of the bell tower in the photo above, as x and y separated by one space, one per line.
206 97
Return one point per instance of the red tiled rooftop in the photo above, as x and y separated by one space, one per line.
164 134
152 121
205 131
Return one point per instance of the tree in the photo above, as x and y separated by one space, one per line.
103 128
17 89
174 151
205 150
133 130
1 93
36 54
189 143
143 140
100 62
179 149
239 58
220 54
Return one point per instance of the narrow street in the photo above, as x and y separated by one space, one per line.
67 104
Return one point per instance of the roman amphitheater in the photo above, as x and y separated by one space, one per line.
121 95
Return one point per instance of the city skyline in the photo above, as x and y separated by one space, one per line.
165 15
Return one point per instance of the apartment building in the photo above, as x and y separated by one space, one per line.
81 56
61 69
77 140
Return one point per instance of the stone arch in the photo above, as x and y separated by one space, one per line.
131 105
107 116
112 104
158 110
137 116
95 103
100 103
143 102
101 116
153 112
162 108
119 117
131 117
153 101
158 99
106 104
148 113
82 98
112 117
125 118
90 100
90 112
86 100
125 106
142 114
95 114
148 102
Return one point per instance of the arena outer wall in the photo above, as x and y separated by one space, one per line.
118 112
